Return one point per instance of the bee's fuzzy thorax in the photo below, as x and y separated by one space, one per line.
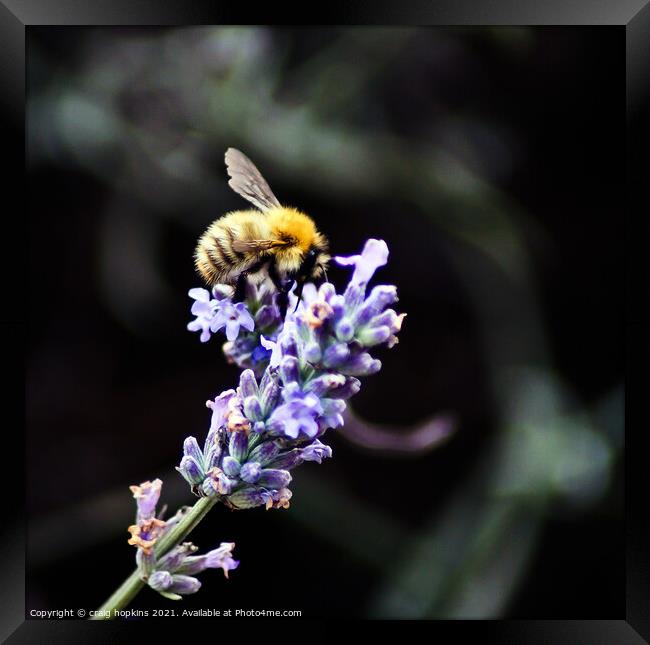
289 223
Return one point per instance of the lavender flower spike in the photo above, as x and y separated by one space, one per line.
298 374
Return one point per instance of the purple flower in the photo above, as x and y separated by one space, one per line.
220 558
221 408
203 308
373 256
316 451
232 317
214 314
147 528
146 495
297 417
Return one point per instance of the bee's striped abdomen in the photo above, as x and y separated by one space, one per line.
216 257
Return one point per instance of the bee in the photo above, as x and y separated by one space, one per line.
275 242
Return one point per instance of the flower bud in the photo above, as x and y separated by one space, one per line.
348 389
160 580
265 452
272 478
231 466
221 291
338 307
269 392
326 291
191 448
370 336
253 408
361 365
190 470
266 316
324 384
238 446
344 330
212 451
250 472
389 318
289 370
287 460
380 297
248 384
184 585
312 352
335 355
247 498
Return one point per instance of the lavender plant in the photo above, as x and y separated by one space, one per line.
297 374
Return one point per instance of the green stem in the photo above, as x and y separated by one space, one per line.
130 588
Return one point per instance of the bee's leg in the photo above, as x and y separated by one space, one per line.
299 287
243 281
240 288
283 287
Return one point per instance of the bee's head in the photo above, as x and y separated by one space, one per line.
315 261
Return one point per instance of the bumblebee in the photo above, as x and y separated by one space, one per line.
276 242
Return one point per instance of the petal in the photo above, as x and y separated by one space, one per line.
232 330
244 316
276 352
346 261
202 295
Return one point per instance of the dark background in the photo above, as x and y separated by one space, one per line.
489 161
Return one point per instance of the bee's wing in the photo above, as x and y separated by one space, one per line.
255 246
247 180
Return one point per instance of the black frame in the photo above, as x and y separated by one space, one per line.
631 15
